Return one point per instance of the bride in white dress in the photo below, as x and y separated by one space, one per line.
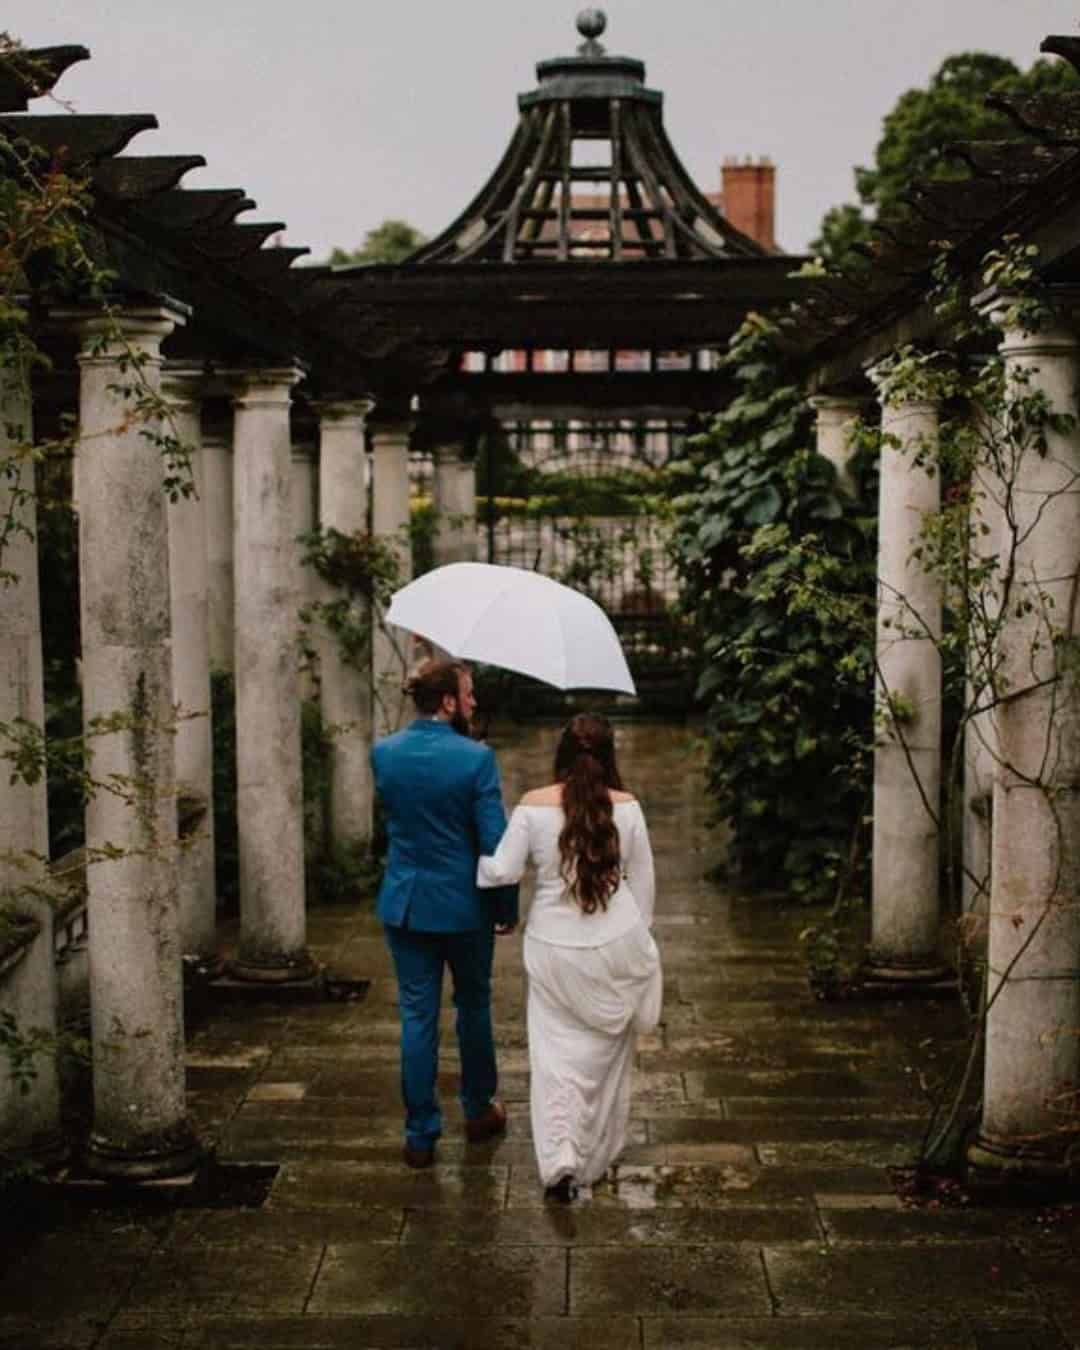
593 967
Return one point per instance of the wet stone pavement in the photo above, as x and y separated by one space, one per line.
753 1210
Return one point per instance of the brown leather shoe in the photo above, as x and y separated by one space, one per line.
492 1122
418 1157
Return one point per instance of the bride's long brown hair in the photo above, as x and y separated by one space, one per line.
589 842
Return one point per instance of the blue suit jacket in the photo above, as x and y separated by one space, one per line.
444 808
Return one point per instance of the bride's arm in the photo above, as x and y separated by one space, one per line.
508 863
640 875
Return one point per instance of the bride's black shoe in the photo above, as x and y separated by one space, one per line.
564 1191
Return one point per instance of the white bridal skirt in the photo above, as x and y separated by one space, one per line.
586 1006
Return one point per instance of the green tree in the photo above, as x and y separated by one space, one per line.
918 133
386 243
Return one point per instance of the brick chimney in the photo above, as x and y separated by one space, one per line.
748 197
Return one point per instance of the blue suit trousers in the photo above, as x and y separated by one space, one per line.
419 958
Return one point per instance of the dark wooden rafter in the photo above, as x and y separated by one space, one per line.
1066 46
198 209
27 73
140 178
1017 162
231 242
1054 118
962 204
76 140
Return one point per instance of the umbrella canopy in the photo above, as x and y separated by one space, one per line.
522 621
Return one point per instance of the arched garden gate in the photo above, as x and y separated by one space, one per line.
576 305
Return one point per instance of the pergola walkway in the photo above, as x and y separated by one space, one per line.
753 1212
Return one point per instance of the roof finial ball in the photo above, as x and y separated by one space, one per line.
590 24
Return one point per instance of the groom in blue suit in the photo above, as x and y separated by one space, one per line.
443 805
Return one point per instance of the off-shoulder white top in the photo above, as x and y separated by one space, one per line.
554 916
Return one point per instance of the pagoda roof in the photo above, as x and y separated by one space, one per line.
589 173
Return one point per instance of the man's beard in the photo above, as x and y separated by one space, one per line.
460 723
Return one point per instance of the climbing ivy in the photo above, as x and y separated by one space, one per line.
761 530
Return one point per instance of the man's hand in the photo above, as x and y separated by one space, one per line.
504 929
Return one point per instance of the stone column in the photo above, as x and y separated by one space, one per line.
217 473
345 686
1032 1069
269 783
188 585
140 1126
836 416
29 1121
907 757
455 506
390 522
980 732
303 491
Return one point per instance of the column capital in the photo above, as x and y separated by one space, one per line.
1024 333
451 452
183 382
339 410
108 336
919 400
842 406
263 386
393 429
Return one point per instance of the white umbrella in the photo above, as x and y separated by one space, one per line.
506 616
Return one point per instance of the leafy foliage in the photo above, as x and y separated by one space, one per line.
389 242
763 535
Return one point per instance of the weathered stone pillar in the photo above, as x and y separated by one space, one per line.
345 685
269 783
1032 1070
980 732
188 585
907 757
455 506
140 1126
217 465
390 522
30 1121
836 417
304 484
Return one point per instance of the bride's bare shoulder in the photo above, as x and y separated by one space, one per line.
544 796
619 796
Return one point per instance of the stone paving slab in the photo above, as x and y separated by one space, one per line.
331 1184
595 1226
262 1279
717 1279
833 1333
523 1281
847 1279
386 1332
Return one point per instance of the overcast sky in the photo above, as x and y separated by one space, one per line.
336 114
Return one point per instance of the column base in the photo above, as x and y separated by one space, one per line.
199 968
996 1165
270 969
919 975
168 1153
